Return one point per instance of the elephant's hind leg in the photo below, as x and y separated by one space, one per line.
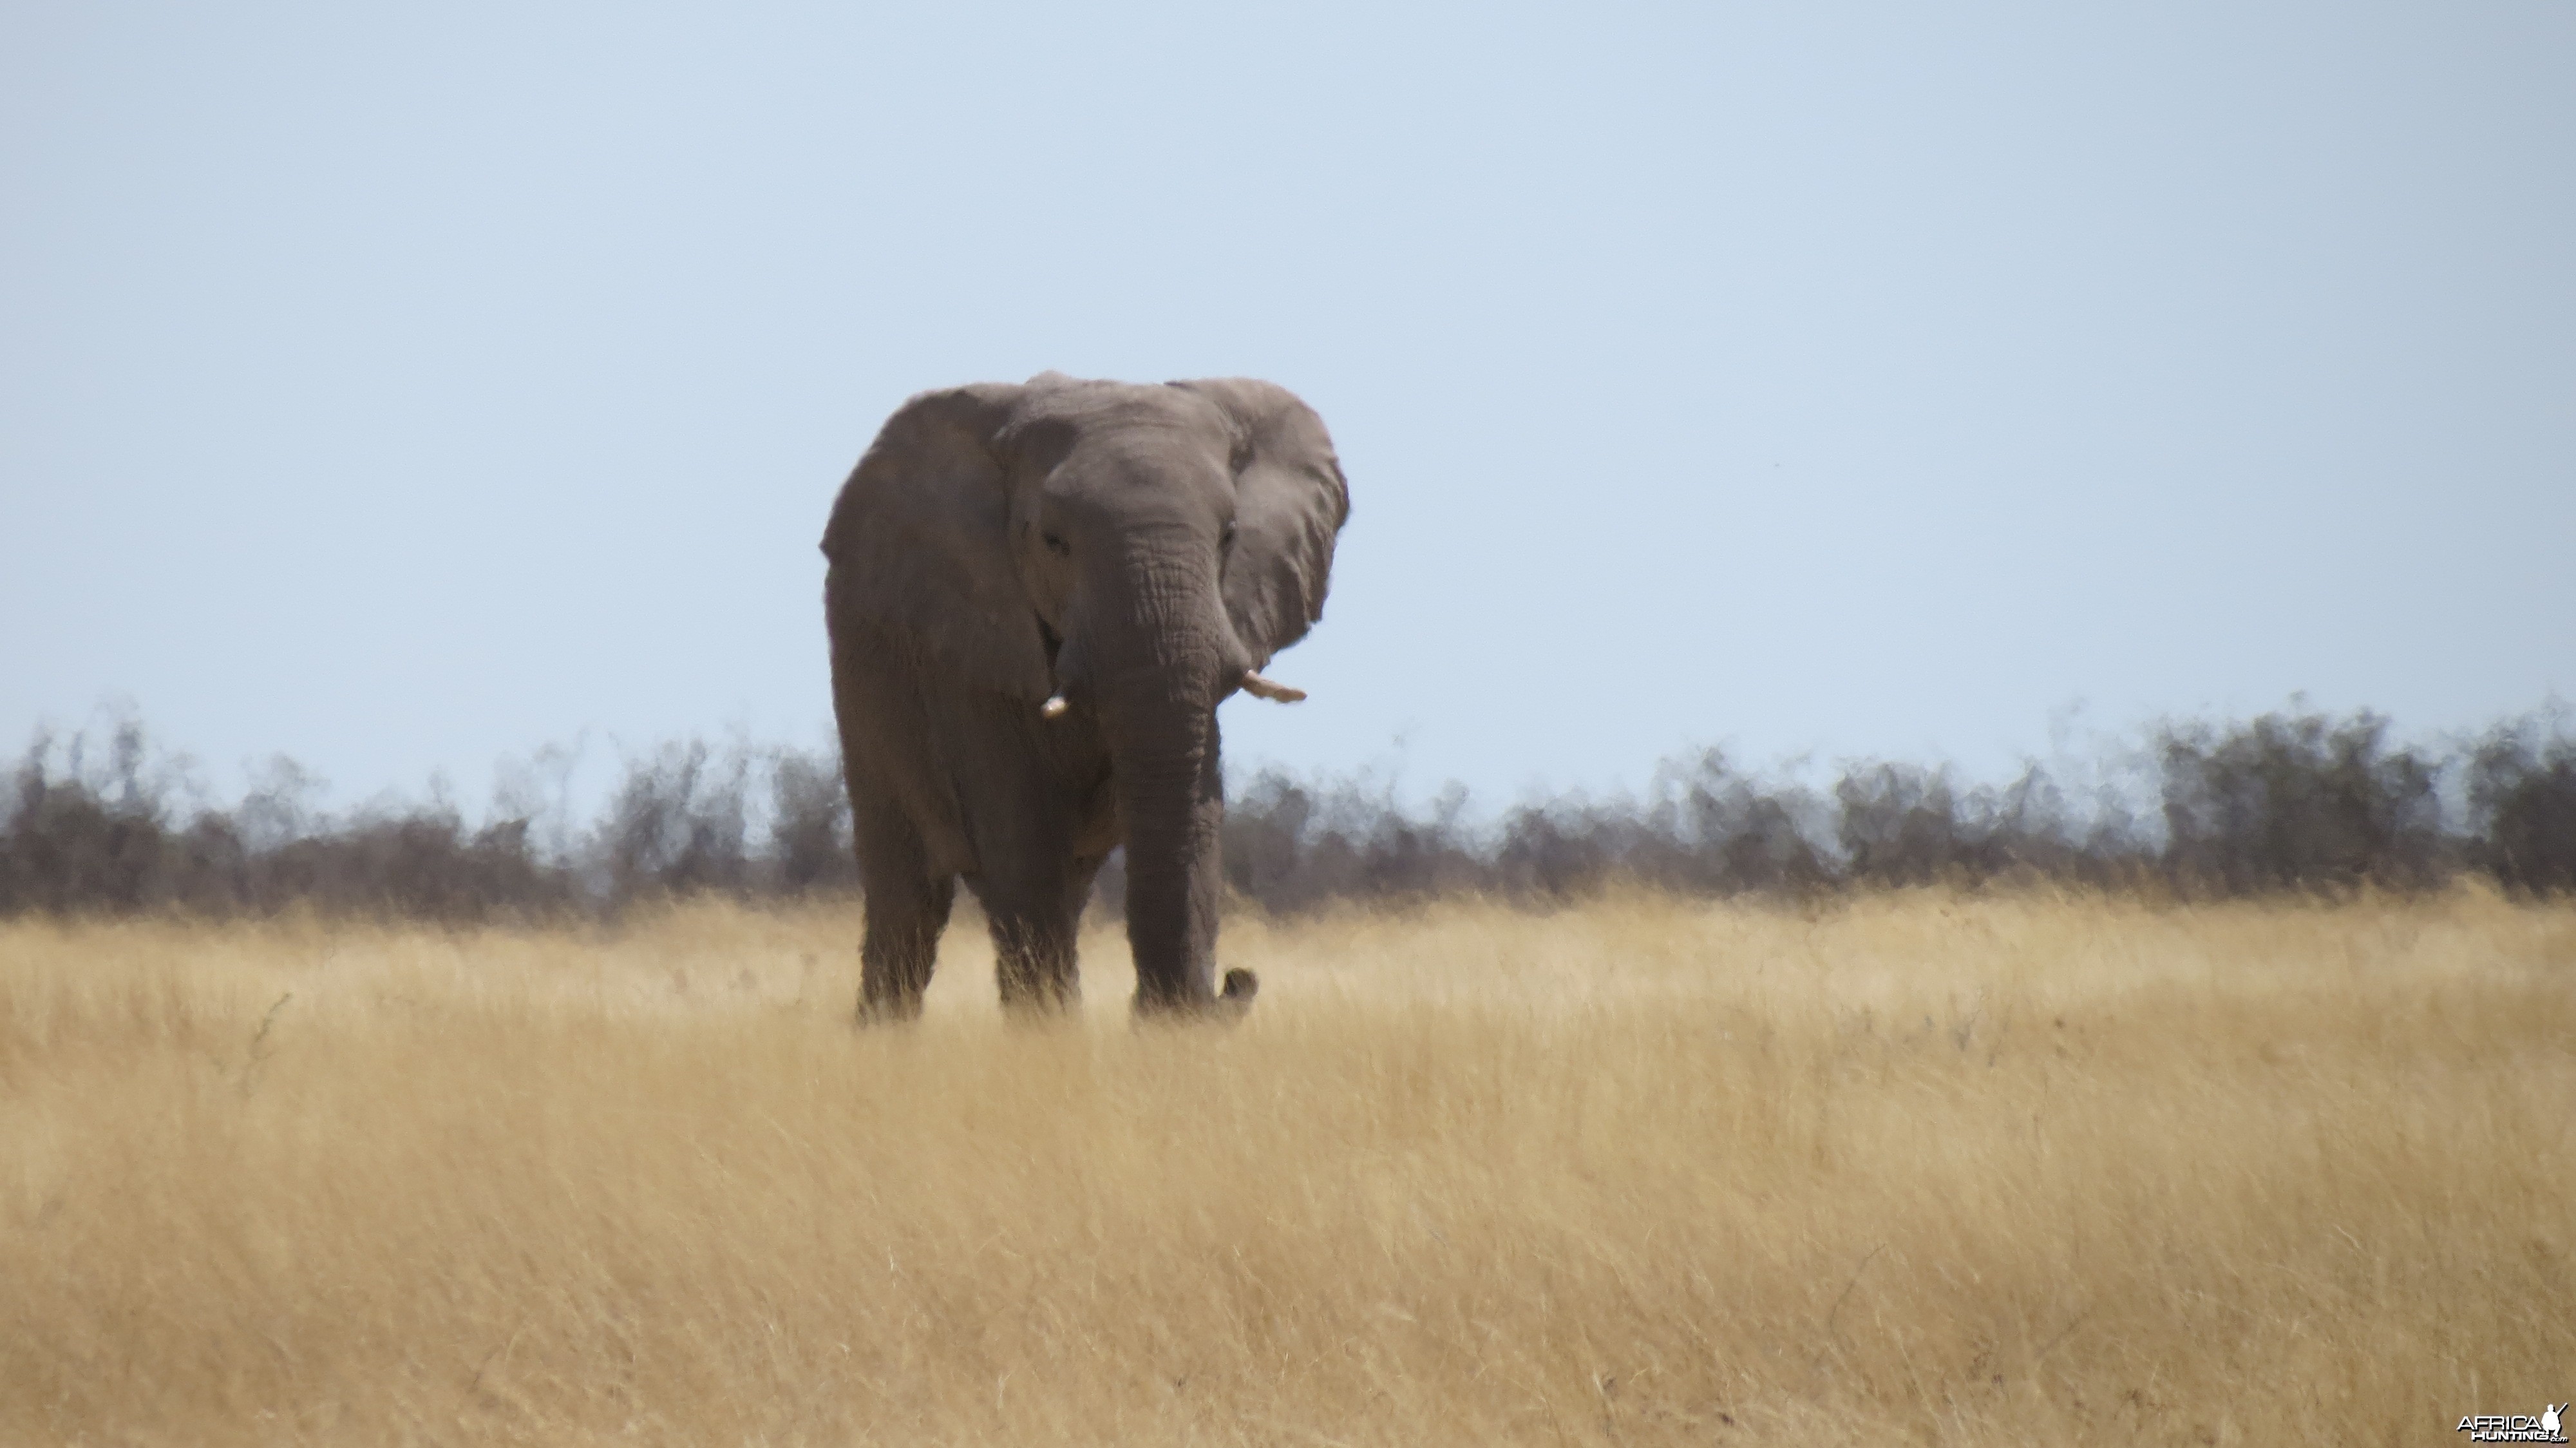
1035 918
1035 964
907 908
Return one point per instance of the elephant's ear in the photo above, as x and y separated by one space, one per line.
1290 502
919 542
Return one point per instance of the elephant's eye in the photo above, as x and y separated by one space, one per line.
1226 538
1055 544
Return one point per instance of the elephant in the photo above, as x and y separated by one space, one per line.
1037 595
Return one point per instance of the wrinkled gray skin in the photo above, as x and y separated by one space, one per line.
1132 548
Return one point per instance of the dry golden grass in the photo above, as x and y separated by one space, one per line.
1918 1169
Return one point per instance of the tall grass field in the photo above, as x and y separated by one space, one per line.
1915 1168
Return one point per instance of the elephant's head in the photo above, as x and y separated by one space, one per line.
1111 557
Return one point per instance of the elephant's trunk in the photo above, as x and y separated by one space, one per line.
1159 670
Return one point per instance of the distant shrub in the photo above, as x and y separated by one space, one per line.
2522 807
2300 802
809 825
1713 830
83 837
1293 846
1902 825
678 823
425 865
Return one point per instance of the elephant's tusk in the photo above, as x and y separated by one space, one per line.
1053 708
1270 689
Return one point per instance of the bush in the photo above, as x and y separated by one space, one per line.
2522 807
2300 802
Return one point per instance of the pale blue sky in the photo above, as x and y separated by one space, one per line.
402 391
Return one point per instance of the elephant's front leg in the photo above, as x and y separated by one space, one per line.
907 907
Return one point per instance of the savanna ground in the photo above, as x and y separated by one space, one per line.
1917 1168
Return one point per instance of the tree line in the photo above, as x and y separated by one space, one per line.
2289 802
